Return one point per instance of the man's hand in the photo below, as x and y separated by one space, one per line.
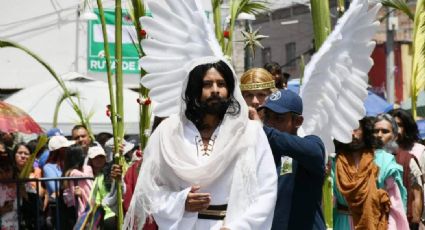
77 191
253 114
120 148
417 204
116 171
224 228
196 202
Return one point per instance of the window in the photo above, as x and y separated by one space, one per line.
290 49
266 54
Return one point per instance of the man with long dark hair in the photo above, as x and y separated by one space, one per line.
368 189
386 132
209 98
208 167
407 138
408 135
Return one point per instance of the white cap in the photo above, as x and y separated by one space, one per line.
57 142
109 145
96 151
127 145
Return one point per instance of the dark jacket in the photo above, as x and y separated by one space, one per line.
298 205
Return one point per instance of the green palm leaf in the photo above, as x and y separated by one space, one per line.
4 44
399 5
236 7
25 173
321 21
253 7
418 67
61 99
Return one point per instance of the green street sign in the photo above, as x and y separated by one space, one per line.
96 61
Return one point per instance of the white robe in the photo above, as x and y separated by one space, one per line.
259 216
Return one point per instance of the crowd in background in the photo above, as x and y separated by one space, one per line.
79 155
75 156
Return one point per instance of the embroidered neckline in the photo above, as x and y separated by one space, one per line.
201 148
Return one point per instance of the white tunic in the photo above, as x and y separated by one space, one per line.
172 214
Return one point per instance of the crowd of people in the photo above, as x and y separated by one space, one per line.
77 156
231 160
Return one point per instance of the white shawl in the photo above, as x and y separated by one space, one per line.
235 142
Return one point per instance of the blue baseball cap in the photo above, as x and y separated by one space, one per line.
284 101
54 132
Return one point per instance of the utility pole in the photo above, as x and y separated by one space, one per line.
248 54
389 47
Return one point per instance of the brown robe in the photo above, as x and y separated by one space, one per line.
368 205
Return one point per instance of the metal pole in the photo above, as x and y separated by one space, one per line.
37 204
248 53
18 202
58 224
390 67
77 38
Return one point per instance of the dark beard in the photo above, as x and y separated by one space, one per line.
356 145
214 105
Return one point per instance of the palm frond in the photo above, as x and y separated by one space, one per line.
399 5
302 67
90 114
321 21
423 32
25 173
61 83
61 99
136 45
130 10
218 30
418 67
216 3
237 7
254 7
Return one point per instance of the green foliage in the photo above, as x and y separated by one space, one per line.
321 21
399 5
75 106
59 103
418 67
138 10
25 173
236 7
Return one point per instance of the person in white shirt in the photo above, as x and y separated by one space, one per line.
208 167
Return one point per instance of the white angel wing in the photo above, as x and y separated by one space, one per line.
335 80
179 33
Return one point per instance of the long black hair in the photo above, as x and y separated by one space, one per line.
411 131
74 158
369 140
194 111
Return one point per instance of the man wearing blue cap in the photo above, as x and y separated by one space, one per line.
43 157
300 162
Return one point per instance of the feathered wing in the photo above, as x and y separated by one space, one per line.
335 80
179 33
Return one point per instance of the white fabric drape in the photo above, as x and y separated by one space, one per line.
171 166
